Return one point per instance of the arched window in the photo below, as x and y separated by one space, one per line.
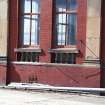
66 21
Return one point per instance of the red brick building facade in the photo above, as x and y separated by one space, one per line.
51 60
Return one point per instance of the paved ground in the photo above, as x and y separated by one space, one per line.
13 97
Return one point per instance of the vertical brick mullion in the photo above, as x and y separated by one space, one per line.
46 29
81 29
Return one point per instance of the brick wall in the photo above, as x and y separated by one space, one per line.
3 71
76 76
81 29
54 75
13 28
46 29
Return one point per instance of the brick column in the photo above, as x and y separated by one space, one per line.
81 29
46 29
13 28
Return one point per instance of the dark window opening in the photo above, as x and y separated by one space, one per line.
65 58
28 57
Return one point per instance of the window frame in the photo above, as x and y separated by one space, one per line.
23 50
20 27
56 22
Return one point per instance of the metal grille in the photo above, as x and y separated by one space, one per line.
67 58
28 56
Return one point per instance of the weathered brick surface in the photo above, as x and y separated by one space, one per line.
46 29
61 76
3 71
55 75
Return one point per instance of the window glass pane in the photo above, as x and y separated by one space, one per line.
27 6
26 30
59 34
35 30
72 4
61 30
62 18
72 29
35 6
60 5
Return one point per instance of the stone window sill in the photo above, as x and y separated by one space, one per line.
54 64
28 50
64 50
